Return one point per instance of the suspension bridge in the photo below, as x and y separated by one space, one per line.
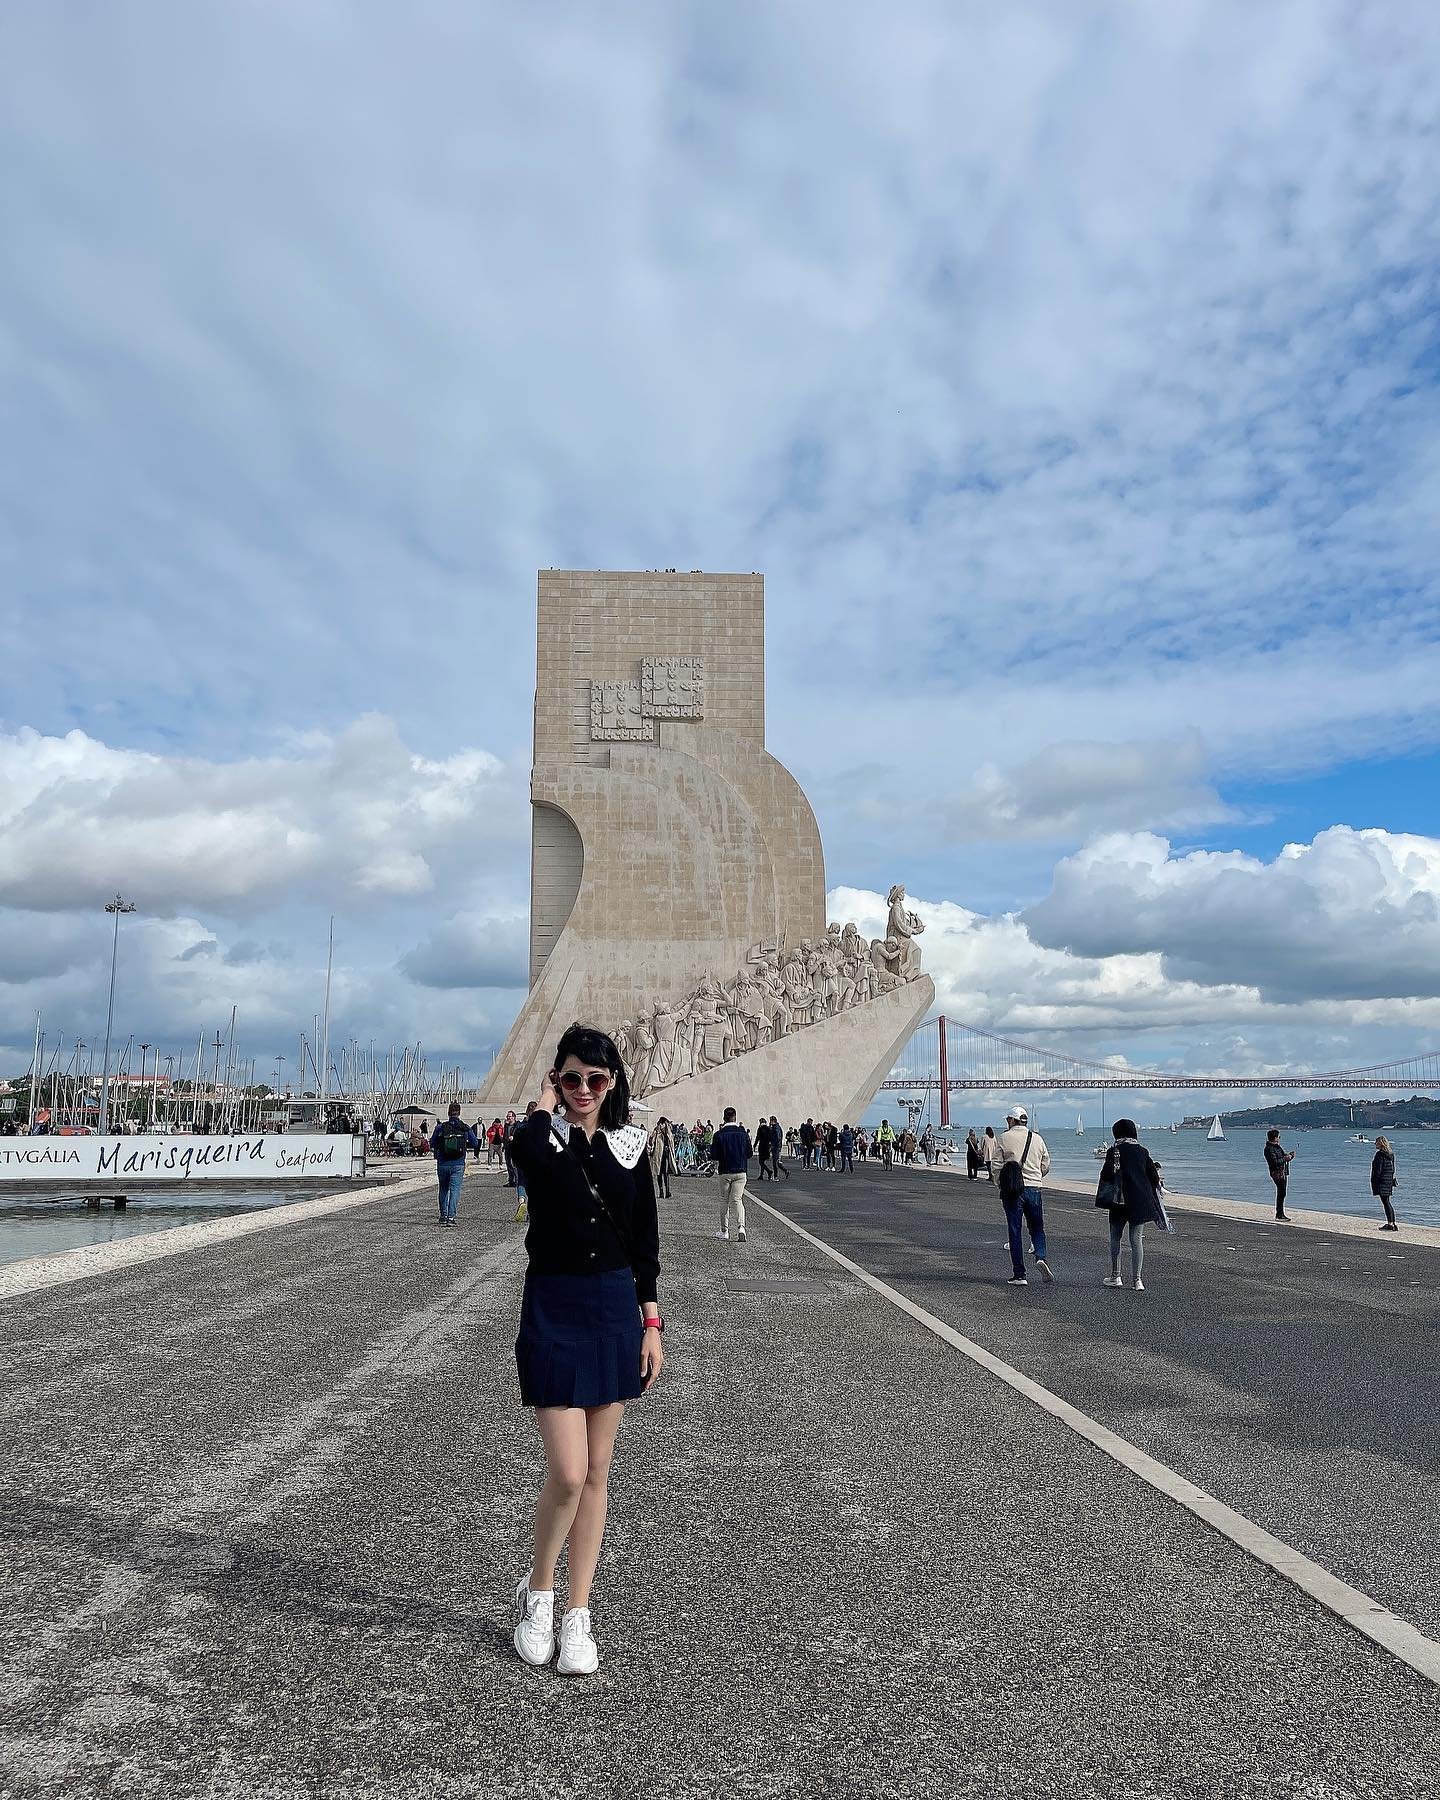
946 1056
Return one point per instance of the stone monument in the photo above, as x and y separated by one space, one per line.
677 876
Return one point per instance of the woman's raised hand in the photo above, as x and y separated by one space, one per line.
549 1096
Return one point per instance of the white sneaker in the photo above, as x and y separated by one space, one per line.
723 1234
1113 1281
535 1632
1044 1268
1139 1287
579 1654
742 1237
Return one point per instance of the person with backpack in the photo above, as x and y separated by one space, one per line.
1130 1187
1021 1162
450 1141
847 1150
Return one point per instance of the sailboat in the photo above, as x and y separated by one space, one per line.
1216 1133
1079 1124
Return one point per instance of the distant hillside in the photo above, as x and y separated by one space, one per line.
1334 1113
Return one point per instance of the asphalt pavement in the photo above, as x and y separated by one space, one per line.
263 1504
1295 1374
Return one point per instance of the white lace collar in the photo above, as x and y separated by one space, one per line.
626 1142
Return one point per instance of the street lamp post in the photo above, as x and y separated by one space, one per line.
116 906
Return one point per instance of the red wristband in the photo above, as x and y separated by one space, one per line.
655 1324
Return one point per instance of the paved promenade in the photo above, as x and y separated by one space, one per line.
263 1504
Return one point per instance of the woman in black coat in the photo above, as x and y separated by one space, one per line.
1130 1189
1382 1180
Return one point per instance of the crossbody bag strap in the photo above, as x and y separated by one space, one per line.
1025 1152
593 1186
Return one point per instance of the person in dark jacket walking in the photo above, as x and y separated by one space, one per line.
732 1150
762 1148
1278 1161
1382 1180
450 1142
972 1155
1130 1189
847 1150
777 1144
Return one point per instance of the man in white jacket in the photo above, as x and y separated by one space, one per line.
1019 1145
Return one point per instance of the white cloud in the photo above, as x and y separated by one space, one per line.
1076 348
1131 1005
1355 914
1071 790
353 818
473 950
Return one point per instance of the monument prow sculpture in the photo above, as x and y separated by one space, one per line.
677 874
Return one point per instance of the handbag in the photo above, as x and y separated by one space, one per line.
1111 1191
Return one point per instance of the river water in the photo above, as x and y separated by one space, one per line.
33 1227
1329 1174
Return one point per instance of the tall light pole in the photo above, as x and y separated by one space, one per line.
116 906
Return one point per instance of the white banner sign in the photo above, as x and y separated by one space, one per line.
266 1156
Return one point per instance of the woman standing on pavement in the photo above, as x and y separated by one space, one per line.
1382 1180
1130 1188
590 1326
988 1152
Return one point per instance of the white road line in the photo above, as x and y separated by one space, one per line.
1367 1616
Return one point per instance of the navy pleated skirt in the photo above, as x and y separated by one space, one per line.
579 1341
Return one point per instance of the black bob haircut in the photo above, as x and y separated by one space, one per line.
588 1045
1124 1128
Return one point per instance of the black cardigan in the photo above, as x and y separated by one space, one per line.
568 1234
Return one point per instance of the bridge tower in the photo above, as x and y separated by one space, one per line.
944 1078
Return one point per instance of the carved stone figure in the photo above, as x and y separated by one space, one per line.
777 1001
625 1044
780 990
710 1040
666 1061
904 927
886 957
747 1005
644 1052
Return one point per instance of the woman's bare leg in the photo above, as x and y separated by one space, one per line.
601 1425
562 1431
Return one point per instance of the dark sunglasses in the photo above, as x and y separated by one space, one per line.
573 1080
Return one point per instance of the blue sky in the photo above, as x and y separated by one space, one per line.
1068 368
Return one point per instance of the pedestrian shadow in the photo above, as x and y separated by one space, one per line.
241 1575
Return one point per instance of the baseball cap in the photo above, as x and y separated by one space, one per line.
1019 1113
